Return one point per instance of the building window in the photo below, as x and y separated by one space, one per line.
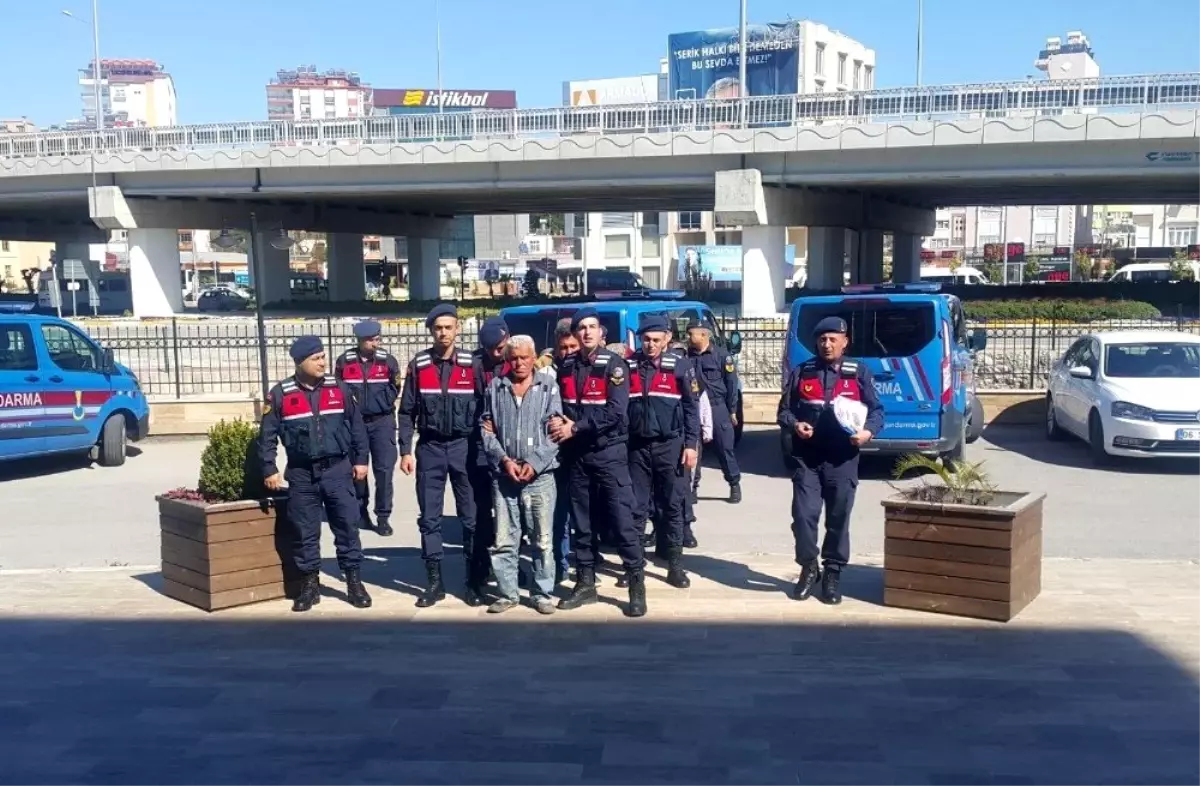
617 246
691 221
986 239
4 246
651 248
1181 235
943 223
1044 239
820 64
841 76
869 78
617 220
958 230
857 74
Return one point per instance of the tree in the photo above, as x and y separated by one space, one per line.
1031 270
955 263
555 223
529 286
1181 267
1084 267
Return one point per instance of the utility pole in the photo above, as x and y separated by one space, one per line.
743 88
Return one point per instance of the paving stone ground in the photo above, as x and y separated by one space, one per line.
104 680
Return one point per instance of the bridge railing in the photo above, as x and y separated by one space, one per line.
1001 99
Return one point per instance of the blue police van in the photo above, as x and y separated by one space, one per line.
620 312
914 339
61 392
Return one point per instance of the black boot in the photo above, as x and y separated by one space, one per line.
310 592
383 528
735 493
648 539
637 593
831 587
584 592
809 576
364 521
676 576
689 538
435 591
477 578
355 590
695 496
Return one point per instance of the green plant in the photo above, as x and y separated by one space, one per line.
1181 266
966 484
1030 270
1058 309
228 469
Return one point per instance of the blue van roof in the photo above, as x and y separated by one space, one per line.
899 297
608 306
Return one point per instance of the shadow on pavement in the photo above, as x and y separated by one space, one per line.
1031 442
356 699
23 469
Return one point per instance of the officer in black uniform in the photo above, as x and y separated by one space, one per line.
824 455
664 427
489 363
718 377
439 403
323 435
373 377
593 433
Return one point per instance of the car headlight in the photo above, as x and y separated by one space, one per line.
1123 409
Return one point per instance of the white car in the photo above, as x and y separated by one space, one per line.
1129 393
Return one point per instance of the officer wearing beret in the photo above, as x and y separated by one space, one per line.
824 456
593 434
440 404
323 435
489 364
717 374
373 377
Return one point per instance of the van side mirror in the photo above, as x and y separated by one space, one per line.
977 341
107 361
735 342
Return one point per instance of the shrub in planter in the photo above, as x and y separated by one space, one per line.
225 543
960 545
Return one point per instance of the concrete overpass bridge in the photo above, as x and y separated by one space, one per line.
871 162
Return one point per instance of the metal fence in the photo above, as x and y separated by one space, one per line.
1151 92
178 359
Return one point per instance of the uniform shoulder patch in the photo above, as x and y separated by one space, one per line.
695 386
729 366
616 374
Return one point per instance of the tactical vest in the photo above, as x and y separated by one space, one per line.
451 410
655 400
309 436
582 388
373 384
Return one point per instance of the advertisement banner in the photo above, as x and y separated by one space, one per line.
705 64
720 263
606 92
422 100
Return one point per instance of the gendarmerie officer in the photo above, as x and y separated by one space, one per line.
323 435
718 377
593 433
825 456
489 364
440 403
373 378
664 427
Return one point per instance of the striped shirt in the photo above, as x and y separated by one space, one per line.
522 429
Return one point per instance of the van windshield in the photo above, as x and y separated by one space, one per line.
877 328
541 324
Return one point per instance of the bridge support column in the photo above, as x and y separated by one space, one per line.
826 257
154 278
347 273
69 249
867 268
276 270
764 271
424 268
906 258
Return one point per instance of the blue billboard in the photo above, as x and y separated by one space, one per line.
719 263
706 63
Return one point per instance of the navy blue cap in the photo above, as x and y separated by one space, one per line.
653 322
492 332
368 328
831 325
587 312
440 310
305 347
694 323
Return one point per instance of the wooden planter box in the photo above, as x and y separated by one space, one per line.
226 554
969 560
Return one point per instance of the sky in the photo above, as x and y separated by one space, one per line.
222 53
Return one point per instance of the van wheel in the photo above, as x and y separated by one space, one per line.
958 454
975 425
112 442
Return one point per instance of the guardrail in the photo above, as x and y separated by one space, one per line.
179 359
999 99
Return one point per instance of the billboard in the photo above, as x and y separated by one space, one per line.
416 100
621 90
705 64
721 263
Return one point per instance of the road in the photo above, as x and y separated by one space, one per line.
66 514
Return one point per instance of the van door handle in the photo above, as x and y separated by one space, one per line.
885 375
56 378
32 378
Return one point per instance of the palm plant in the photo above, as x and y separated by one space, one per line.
965 484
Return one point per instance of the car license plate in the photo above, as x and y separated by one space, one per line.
1188 434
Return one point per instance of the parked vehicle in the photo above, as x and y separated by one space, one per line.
1160 272
916 343
60 392
222 299
960 275
1131 393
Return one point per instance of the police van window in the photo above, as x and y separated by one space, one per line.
877 330
959 323
541 324
69 350
16 348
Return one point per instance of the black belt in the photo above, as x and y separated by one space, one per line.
320 463
373 418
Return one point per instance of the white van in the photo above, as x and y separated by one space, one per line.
961 275
1152 271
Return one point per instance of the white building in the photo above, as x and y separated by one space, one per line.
132 93
1073 60
305 94
832 62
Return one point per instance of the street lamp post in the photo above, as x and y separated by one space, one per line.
743 89
95 22
920 40
437 18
